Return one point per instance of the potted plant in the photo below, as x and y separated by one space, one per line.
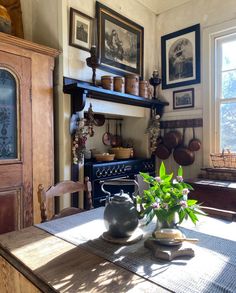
167 197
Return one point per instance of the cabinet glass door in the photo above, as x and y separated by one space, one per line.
8 116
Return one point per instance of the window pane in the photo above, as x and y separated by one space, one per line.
228 55
229 84
8 115
228 126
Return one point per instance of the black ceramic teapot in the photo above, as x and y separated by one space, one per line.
120 214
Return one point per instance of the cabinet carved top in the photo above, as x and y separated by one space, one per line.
28 45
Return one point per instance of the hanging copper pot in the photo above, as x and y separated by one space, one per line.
162 151
194 144
172 139
183 155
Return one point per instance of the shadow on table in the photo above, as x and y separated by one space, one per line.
78 270
223 249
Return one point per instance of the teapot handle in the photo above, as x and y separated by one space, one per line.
118 182
105 191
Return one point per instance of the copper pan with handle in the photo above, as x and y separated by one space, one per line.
172 139
183 155
162 151
194 144
107 136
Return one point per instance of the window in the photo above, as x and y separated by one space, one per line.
225 92
219 88
8 115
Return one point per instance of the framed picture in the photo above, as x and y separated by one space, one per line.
180 55
183 99
120 42
80 35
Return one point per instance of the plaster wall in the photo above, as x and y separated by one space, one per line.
75 66
47 23
208 13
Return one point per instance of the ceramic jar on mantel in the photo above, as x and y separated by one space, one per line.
119 84
5 20
143 88
132 84
107 82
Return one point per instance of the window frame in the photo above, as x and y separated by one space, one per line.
219 100
211 85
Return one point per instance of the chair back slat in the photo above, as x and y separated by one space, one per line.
64 187
60 189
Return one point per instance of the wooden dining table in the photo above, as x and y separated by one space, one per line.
34 260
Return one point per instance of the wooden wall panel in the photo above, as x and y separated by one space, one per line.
9 170
10 206
40 163
12 281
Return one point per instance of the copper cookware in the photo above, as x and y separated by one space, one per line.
194 144
172 139
162 151
107 136
183 155
115 138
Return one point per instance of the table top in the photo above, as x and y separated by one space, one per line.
55 265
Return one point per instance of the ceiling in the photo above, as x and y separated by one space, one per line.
159 6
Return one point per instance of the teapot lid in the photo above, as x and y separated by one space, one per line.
121 197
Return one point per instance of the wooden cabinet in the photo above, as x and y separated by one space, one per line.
214 193
26 129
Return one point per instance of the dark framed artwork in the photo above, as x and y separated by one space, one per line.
80 35
180 56
120 42
183 99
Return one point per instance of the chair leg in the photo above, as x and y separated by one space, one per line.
88 194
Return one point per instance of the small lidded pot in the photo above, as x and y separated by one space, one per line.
143 88
119 84
107 82
132 84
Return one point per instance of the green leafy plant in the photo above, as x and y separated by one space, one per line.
167 196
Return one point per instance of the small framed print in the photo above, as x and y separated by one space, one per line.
183 99
80 35
180 57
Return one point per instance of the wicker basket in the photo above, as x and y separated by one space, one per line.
104 157
121 153
226 159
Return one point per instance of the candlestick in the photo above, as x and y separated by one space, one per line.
94 33
93 62
155 81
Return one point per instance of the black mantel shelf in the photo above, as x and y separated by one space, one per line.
79 91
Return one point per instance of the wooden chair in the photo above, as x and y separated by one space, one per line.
46 198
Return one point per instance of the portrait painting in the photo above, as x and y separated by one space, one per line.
181 58
80 35
120 42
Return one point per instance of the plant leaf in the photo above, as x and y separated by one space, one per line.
180 171
149 217
162 170
191 202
